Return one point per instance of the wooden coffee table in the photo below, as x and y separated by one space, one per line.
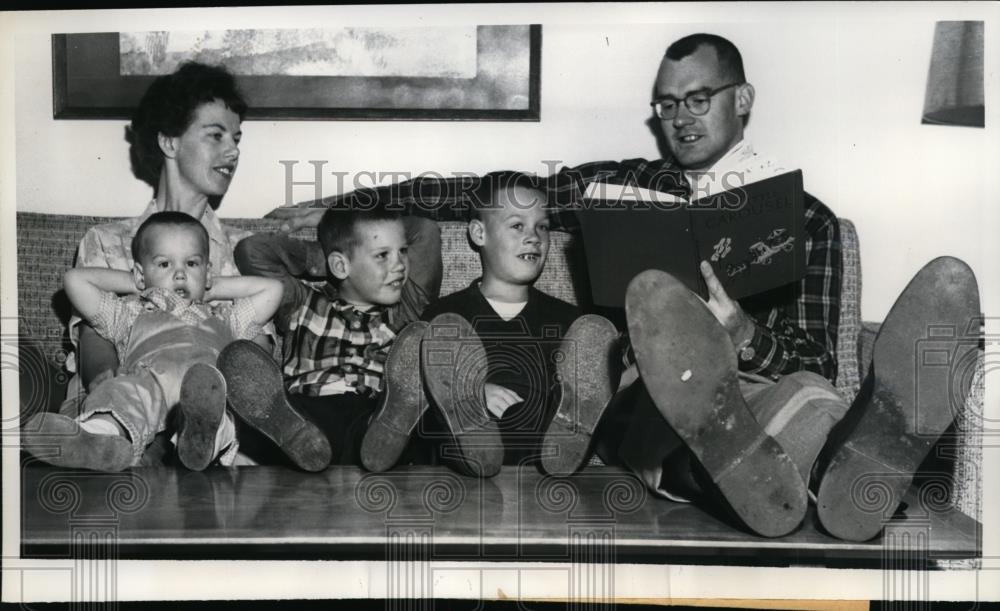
601 515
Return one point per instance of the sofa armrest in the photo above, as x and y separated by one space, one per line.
967 492
849 325
866 340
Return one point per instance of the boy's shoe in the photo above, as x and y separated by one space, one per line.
59 440
688 365
257 394
587 377
202 407
453 361
916 392
401 405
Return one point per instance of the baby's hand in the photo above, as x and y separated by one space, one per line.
498 399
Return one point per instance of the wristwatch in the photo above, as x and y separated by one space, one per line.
745 350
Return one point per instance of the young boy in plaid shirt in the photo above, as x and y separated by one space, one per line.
382 270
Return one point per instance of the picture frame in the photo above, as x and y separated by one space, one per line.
87 84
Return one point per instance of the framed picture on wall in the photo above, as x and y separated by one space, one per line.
353 73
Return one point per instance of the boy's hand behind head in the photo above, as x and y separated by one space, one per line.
372 269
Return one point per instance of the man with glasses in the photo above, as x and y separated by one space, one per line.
735 404
745 387
742 420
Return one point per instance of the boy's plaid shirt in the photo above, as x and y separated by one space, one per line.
797 325
332 344
329 346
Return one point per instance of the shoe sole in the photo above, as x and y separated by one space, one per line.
911 403
257 395
202 405
690 371
585 376
59 440
402 403
454 364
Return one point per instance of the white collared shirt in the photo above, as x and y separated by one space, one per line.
741 165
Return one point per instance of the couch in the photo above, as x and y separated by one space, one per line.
46 247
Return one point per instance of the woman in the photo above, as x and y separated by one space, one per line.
184 138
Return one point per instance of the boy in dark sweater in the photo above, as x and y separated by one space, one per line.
525 353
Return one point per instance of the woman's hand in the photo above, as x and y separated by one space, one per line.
498 399
296 218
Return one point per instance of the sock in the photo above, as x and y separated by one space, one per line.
225 435
103 424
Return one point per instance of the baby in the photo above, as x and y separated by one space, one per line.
168 340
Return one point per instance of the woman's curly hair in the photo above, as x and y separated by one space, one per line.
168 107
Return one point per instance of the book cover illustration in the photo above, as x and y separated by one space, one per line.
752 235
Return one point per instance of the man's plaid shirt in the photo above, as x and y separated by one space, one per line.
796 325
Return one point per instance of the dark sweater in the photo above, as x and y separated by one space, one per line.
520 356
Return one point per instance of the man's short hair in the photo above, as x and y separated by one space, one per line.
168 107
337 229
495 182
730 60
171 218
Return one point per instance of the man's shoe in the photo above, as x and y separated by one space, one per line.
59 440
688 365
402 404
257 395
587 376
917 388
202 407
453 361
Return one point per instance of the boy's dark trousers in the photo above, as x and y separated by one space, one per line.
343 419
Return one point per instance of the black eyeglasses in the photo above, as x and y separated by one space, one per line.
698 102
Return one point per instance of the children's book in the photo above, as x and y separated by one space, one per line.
752 235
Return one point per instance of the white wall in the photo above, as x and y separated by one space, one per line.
839 92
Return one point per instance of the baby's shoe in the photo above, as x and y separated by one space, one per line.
202 406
